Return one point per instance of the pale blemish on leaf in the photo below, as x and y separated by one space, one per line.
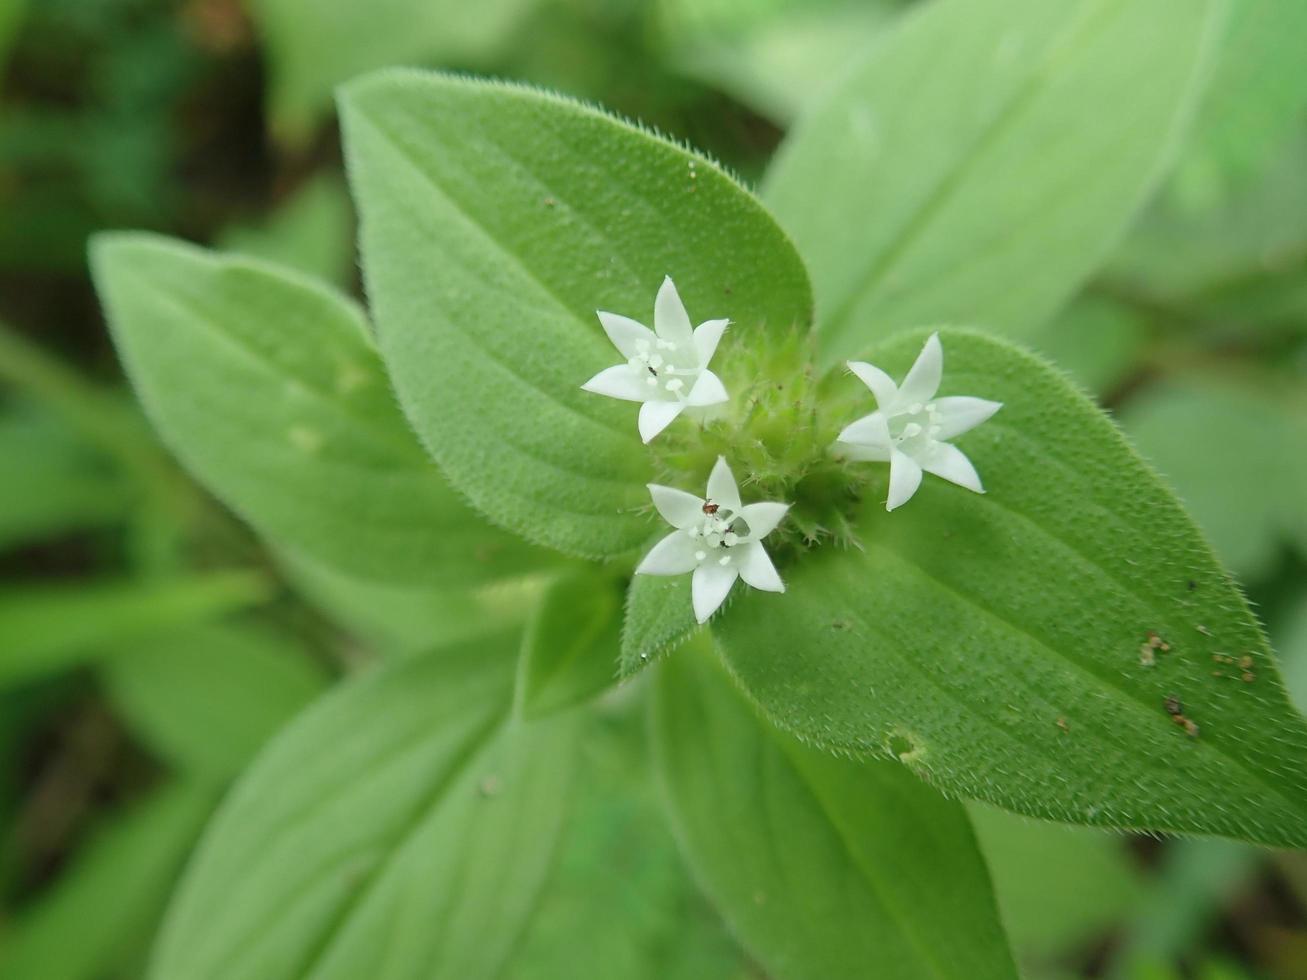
304 439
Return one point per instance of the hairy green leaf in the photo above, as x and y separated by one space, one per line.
569 649
495 221
268 388
105 903
207 698
996 643
941 180
823 866
659 615
45 629
400 828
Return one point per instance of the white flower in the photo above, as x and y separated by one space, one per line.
717 538
912 428
667 367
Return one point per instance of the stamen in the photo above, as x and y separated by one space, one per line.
911 430
700 555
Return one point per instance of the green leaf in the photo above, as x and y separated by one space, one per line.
405 620
823 866
620 903
11 15
1058 887
1252 422
106 901
267 386
1254 103
51 484
659 616
774 57
312 231
400 827
206 698
495 221
993 642
927 186
45 629
314 45
569 649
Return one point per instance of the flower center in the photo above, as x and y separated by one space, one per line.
917 429
662 364
716 534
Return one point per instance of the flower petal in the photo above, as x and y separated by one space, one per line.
757 570
880 383
762 518
952 464
671 322
709 587
923 379
678 508
707 335
858 453
961 413
871 432
707 390
904 478
625 333
656 416
619 381
721 486
673 555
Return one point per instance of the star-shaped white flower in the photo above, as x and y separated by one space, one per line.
667 367
717 538
912 428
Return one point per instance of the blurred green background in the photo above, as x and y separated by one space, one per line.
148 644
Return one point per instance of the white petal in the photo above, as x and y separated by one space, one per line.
673 555
859 453
870 431
721 486
763 518
656 416
671 322
709 587
904 478
678 508
707 335
619 381
952 464
756 569
625 333
707 390
880 383
961 413
923 379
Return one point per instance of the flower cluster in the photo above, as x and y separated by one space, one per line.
717 538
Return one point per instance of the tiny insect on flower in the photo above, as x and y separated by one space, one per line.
666 368
717 538
911 427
